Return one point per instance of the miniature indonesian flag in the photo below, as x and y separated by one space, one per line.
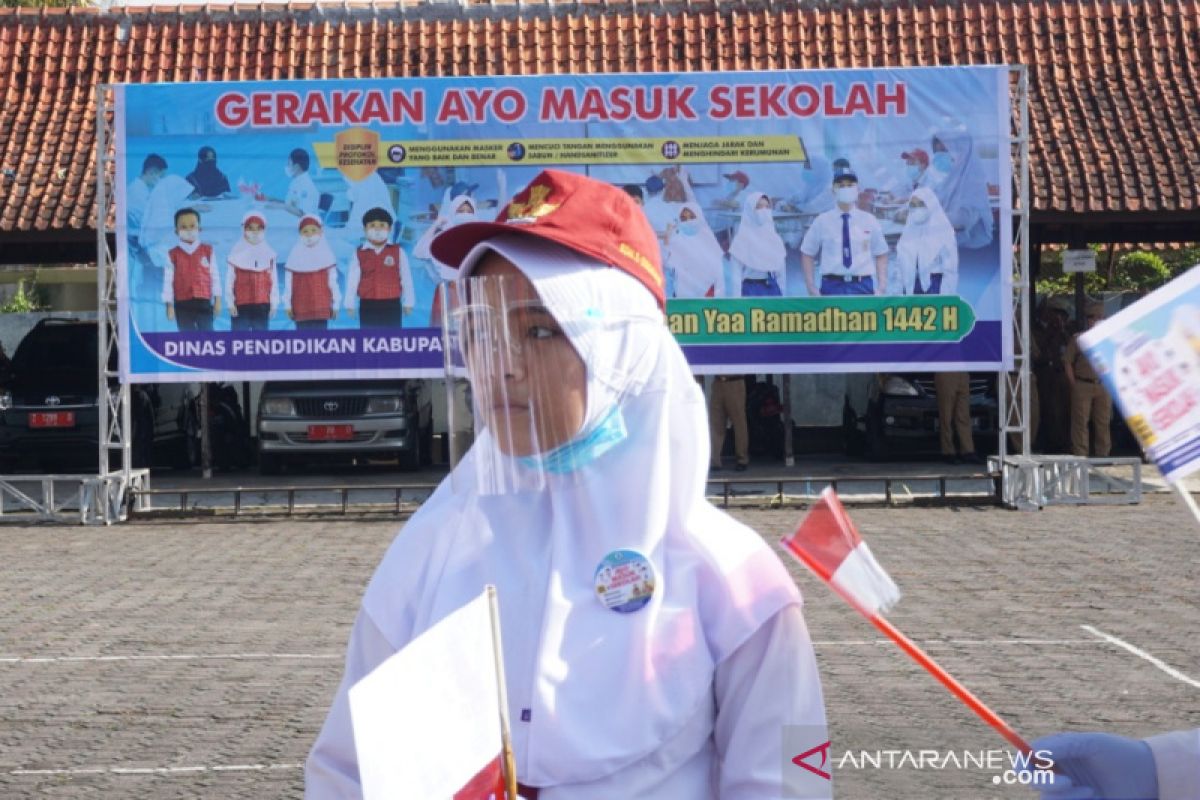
427 720
828 544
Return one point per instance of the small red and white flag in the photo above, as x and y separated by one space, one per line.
828 544
427 721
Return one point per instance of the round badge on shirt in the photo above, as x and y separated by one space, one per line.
624 581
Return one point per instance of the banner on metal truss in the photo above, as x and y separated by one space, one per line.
1148 357
809 221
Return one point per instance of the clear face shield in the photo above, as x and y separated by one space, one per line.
531 409
518 387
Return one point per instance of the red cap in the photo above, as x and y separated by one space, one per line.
586 215
309 219
738 176
916 154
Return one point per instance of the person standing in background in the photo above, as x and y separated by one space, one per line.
850 243
954 417
693 257
1089 400
727 403
758 250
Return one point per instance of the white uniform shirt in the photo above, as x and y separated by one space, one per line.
302 194
825 238
725 751
137 194
408 297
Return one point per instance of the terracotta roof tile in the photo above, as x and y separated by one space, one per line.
1115 86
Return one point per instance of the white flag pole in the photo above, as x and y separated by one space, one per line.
1188 500
510 762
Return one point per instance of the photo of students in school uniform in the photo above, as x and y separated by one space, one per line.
251 288
311 295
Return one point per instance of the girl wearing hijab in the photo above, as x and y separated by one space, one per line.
956 176
928 249
207 180
310 292
593 453
758 249
250 289
455 211
694 256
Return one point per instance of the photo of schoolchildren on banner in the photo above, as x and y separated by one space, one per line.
829 221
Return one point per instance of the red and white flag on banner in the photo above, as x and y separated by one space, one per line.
427 721
828 544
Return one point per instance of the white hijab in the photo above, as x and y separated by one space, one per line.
758 245
311 259
698 261
605 688
928 247
448 217
252 257
963 193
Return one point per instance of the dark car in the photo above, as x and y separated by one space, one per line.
900 416
342 420
49 414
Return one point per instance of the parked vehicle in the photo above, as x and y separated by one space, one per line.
300 421
899 415
49 414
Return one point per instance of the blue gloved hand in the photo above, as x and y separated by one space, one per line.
1098 766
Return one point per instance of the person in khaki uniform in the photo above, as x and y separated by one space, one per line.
727 401
954 416
1089 400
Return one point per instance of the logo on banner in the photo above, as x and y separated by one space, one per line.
357 152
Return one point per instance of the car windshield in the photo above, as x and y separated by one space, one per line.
64 356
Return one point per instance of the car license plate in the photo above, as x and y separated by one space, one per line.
330 433
52 419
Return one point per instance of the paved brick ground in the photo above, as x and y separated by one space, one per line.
182 597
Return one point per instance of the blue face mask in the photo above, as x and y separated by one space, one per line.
943 162
914 172
689 227
733 187
582 450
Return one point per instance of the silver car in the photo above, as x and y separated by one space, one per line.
344 419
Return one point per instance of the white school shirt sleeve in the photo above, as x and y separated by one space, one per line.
331 771
168 287
274 287
810 245
215 273
949 272
287 289
406 283
230 277
769 682
879 245
1177 764
334 291
353 276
